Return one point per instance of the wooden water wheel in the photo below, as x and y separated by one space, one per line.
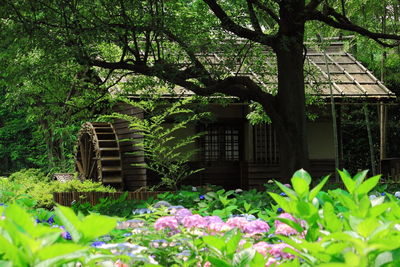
98 156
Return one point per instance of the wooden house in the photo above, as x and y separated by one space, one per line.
234 153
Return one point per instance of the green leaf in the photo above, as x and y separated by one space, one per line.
303 174
218 262
232 244
359 177
332 222
282 202
103 225
70 221
314 192
367 226
258 260
368 185
348 181
289 192
215 242
20 217
300 186
12 253
59 249
243 257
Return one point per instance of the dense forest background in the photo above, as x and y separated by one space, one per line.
45 95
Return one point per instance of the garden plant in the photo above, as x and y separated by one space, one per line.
302 226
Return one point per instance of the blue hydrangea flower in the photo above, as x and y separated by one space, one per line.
97 244
51 219
66 235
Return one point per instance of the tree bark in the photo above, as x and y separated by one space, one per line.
291 126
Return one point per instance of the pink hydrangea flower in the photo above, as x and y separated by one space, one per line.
284 229
168 222
213 219
276 250
182 213
271 260
219 227
286 216
194 221
256 227
262 247
237 222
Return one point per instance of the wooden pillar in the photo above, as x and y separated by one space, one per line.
340 134
382 132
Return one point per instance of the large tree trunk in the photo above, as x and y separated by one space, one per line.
290 101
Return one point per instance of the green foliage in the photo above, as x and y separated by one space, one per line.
33 184
25 243
120 207
356 231
225 251
165 152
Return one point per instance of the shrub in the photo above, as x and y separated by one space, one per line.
40 188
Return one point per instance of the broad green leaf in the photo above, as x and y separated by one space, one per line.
332 222
281 201
232 244
359 177
294 263
243 257
332 264
70 221
352 259
314 192
94 226
218 262
368 185
383 258
20 217
348 181
303 174
215 242
367 226
58 249
300 186
12 253
258 260
289 192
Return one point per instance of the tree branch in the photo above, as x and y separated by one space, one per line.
313 5
266 10
253 17
334 19
228 24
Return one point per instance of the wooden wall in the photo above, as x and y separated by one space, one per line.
134 176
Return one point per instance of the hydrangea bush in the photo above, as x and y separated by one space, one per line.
304 227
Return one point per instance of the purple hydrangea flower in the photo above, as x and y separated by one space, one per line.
194 221
169 222
256 227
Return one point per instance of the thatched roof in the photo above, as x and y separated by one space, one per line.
349 78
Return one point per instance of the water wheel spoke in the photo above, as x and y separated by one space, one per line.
83 157
98 157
